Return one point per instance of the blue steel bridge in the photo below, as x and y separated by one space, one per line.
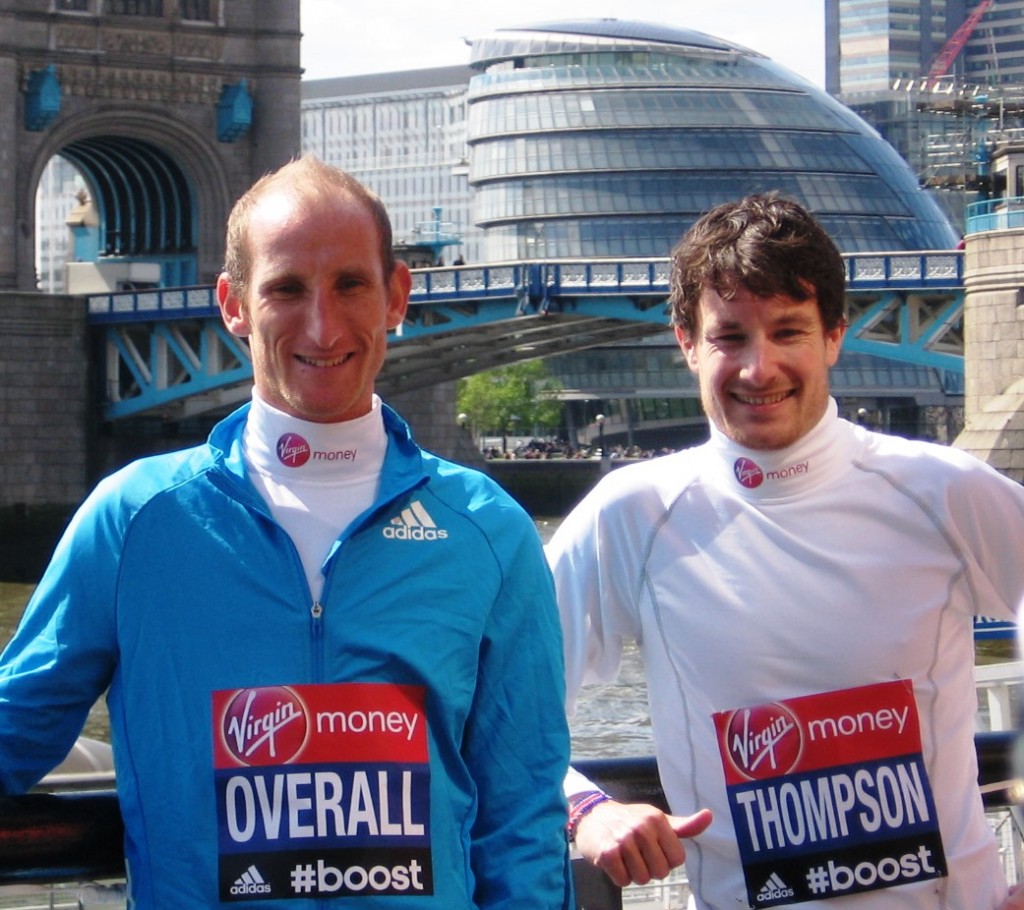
166 351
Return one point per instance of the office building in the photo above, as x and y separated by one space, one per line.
939 79
608 138
403 134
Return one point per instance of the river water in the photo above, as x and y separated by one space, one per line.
610 720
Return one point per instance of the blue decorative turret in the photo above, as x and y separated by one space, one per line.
42 98
234 112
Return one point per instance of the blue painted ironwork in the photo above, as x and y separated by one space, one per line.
995 214
234 112
986 628
144 204
168 345
42 98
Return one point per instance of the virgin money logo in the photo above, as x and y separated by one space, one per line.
265 726
748 473
765 741
292 450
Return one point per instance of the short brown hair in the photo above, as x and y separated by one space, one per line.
765 244
307 175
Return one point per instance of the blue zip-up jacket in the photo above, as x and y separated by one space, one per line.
252 770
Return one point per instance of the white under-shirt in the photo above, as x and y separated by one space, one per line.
315 477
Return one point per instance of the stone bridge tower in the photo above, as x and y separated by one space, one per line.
169 108
994 320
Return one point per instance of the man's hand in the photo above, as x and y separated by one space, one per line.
634 842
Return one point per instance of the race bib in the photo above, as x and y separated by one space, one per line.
322 791
829 794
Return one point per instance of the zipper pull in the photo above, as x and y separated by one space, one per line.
317 610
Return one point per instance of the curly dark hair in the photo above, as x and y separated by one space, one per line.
765 244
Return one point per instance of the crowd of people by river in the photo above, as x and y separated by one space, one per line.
540 449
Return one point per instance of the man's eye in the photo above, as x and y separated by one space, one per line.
285 290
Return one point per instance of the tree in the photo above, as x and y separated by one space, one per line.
521 395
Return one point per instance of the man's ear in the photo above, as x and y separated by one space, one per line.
232 307
400 286
688 346
834 342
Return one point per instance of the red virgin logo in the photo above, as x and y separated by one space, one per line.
748 473
264 726
292 450
764 741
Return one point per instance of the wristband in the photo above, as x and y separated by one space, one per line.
580 805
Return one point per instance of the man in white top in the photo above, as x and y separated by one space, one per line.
803 593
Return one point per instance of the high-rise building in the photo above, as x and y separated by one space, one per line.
876 42
873 44
937 78
60 189
403 134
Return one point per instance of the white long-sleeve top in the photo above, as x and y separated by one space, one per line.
848 560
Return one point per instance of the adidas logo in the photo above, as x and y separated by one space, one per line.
250 882
774 889
414 523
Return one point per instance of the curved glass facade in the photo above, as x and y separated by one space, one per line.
609 138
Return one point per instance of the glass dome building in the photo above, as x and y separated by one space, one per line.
608 138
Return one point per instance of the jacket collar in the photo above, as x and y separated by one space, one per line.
403 461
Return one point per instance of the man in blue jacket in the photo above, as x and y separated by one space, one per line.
332 660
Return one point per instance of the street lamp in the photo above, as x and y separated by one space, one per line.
513 419
600 431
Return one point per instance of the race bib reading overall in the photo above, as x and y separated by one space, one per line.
829 794
322 791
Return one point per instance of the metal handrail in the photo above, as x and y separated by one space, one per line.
540 280
47 838
998 214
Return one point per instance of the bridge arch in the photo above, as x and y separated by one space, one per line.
161 188
191 102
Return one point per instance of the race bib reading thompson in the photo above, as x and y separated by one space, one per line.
322 791
829 794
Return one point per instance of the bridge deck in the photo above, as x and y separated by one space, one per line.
167 348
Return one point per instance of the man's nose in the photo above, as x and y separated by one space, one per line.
324 319
759 360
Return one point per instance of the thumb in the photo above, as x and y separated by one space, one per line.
690 825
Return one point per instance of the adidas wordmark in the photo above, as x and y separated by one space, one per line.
414 523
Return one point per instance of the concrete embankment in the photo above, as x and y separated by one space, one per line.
545 488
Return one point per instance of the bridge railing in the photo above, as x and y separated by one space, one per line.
539 280
49 838
995 214
905 271
154 304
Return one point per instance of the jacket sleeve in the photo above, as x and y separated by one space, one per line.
988 510
63 653
517 745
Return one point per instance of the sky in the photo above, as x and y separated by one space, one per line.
390 35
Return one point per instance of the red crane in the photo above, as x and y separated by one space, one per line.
956 43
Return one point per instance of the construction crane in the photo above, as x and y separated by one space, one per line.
956 43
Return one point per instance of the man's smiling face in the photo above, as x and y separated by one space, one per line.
318 306
762 364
